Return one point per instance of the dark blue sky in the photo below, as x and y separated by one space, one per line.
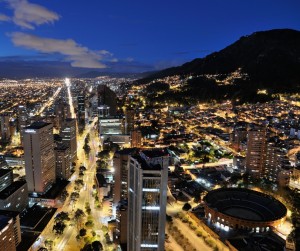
141 35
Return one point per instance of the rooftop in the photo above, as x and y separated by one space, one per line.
11 189
155 153
3 221
37 125
4 172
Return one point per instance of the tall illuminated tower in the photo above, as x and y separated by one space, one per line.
4 126
68 134
39 157
256 152
147 199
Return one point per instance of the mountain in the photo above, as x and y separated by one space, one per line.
270 58
95 74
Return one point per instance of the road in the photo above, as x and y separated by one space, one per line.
68 240
49 102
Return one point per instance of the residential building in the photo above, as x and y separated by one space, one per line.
7 236
16 224
14 197
256 152
6 178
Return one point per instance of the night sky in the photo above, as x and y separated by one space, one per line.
142 35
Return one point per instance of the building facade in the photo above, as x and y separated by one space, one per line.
256 152
68 134
39 157
121 165
147 198
62 162
107 97
7 237
4 127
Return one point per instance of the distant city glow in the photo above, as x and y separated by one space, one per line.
67 82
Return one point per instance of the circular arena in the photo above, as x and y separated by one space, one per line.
237 208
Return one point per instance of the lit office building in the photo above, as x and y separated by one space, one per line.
147 198
62 162
4 127
68 134
39 157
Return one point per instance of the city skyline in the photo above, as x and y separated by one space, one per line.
131 37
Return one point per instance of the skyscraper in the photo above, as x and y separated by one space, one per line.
121 164
129 120
256 152
62 162
61 111
22 120
7 236
81 105
68 134
39 157
147 198
136 138
274 160
4 126
107 97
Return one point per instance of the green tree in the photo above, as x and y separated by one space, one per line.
59 227
62 216
79 214
74 196
186 207
64 195
49 244
82 232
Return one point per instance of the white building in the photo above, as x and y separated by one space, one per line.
147 198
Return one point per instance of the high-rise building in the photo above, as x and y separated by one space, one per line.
63 163
6 178
103 111
274 160
15 216
13 194
81 107
237 138
136 138
147 198
68 134
120 233
4 127
61 111
39 157
7 236
129 120
14 197
22 120
107 97
110 126
121 165
256 152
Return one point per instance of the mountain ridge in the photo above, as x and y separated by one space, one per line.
267 56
